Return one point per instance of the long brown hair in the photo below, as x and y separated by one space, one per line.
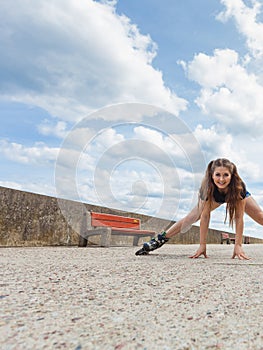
235 187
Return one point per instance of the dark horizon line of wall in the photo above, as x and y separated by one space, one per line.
31 219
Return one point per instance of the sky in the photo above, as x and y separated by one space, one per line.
123 103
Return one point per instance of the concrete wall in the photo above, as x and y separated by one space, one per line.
28 219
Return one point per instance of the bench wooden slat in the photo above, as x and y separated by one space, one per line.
121 224
112 217
98 219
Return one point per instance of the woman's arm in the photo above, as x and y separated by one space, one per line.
204 224
239 222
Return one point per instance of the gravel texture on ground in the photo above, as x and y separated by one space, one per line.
110 299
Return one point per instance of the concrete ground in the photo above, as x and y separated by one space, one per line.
108 298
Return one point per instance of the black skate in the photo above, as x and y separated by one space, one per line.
142 251
154 243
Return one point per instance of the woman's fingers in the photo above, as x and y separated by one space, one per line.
196 255
240 256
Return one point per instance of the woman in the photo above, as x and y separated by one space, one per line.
221 184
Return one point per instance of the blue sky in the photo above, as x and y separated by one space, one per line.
123 103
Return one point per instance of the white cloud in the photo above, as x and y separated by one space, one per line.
39 154
231 86
71 57
107 138
214 143
151 190
143 172
229 94
247 23
94 150
34 187
48 128
78 137
12 184
181 148
217 143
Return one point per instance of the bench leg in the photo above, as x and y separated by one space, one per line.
105 237
103 232
83 228
82 241
136 240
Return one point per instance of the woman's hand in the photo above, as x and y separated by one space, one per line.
200 251
239 252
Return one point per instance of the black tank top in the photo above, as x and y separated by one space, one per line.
220 197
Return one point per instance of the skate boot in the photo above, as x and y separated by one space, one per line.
153 244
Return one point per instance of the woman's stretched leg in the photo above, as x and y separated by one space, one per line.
185 224
253 210
182 225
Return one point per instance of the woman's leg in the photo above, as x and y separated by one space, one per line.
182 225
185 224
253 210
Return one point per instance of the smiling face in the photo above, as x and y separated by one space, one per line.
222 178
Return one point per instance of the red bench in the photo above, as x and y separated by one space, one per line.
107 225
246 240
225 237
